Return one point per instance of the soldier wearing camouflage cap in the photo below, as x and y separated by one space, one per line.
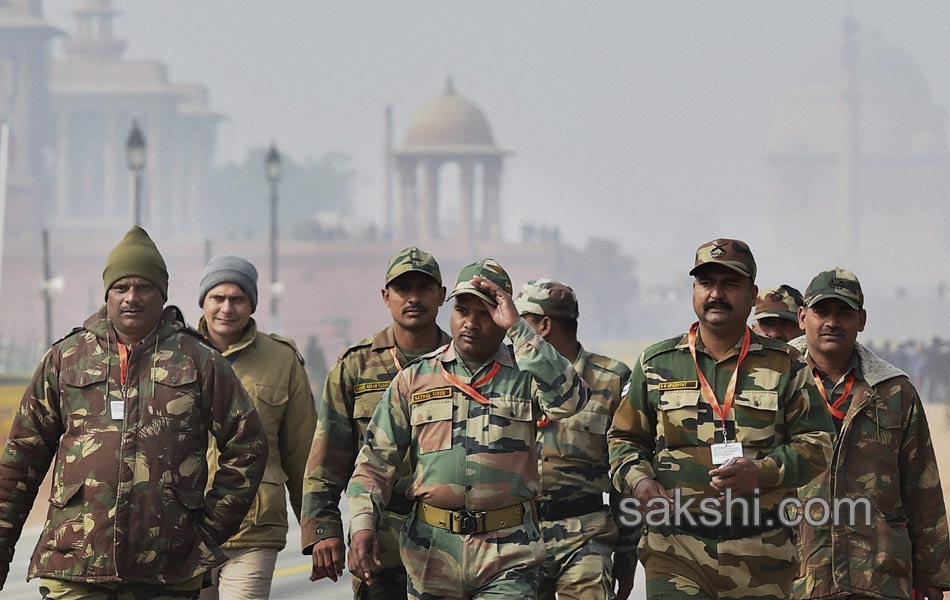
718 412
776 313
465 417
585 549
883 453
413 293
123 408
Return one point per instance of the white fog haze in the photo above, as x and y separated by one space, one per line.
616 137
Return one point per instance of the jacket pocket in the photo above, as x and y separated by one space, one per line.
756 412
84 392
511 424
270 503
176 393
363 409
432 424
66 530
271 402
678 411
588 421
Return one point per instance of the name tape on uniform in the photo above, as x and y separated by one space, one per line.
442 392
372 386
664 386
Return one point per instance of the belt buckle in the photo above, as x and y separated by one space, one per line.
468 522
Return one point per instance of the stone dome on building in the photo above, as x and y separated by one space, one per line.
449 121
895 106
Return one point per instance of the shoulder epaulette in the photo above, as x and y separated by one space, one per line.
432 353
772 344
288 342
360 344
609 364
661 347
72 332
194 333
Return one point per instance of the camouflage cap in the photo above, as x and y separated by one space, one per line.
782 302
547 298
835 283
732 254
487 268
413 259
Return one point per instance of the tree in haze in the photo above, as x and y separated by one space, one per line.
238 204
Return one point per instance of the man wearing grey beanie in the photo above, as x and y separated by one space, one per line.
273 373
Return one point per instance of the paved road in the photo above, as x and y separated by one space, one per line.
291 577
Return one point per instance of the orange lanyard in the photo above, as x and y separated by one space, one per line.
708 393
470 390
845 393
392 352
123 362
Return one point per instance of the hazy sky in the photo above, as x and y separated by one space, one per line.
652 116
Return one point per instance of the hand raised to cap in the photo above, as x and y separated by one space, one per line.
504 313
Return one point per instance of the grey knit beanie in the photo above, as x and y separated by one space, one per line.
227 268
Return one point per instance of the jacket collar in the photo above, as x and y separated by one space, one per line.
503 355
874 368
171 322
248 339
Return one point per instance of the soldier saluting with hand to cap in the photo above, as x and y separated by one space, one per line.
465 416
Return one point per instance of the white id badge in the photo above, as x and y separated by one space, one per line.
721 453
117 407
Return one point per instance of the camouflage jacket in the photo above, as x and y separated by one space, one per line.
128 499
573 450
664 427
463 453
884 453
273 374
353 389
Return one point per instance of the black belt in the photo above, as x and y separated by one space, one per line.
768 521
555 510
399 505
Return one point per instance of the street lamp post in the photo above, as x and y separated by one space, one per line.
272 173
135 155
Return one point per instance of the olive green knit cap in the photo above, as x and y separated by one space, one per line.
136 256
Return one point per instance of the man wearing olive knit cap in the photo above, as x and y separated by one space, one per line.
122 407
272 372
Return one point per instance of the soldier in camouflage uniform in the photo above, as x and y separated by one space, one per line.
579 532
688 397
465 415
776 313
413 293
125 405
273 374
883 452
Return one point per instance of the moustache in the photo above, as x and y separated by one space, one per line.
717 304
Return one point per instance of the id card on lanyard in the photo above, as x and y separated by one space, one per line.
721 452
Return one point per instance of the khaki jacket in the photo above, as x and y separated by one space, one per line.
273 374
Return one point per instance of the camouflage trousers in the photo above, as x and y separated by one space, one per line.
684 565
58 589
496 565
389 583
578 563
